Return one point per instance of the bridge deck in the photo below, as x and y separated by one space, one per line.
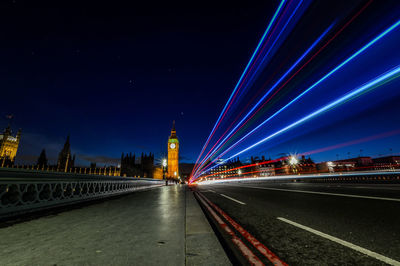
162 226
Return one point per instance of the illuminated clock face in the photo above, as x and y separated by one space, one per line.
172 145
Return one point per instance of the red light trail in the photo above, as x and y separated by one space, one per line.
332 147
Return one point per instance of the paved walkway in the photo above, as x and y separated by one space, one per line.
162 226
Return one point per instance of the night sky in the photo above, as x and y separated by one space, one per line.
114 75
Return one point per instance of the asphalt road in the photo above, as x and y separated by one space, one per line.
307 224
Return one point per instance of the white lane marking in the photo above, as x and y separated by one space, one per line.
325 193
210 190
387 188
343 242
238 201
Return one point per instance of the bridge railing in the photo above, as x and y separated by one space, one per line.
24 191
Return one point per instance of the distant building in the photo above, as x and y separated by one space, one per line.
128 165
262 167
158 172
325 167
343 165
65 159
387 162
9 146
143 168
306 166
362 162
147 165
352 164
227 169
173 154
282 167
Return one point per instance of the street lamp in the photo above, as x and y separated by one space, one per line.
164 168
293 161
330 166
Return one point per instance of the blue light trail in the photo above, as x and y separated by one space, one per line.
369 44
351 95
269 91
241 77
256 71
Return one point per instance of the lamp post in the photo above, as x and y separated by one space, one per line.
293 161
164 166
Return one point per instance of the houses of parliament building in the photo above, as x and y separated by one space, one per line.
130 166
9 146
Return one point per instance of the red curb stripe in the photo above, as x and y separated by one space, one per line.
249 237
247 253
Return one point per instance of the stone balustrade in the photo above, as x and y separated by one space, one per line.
24 191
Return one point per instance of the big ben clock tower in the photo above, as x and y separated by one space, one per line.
173 154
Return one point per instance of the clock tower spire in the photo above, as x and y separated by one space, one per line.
173 154
173 131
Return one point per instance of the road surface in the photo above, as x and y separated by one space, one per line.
317 224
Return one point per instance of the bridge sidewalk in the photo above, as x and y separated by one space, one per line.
162 226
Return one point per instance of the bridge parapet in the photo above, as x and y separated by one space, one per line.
24 191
